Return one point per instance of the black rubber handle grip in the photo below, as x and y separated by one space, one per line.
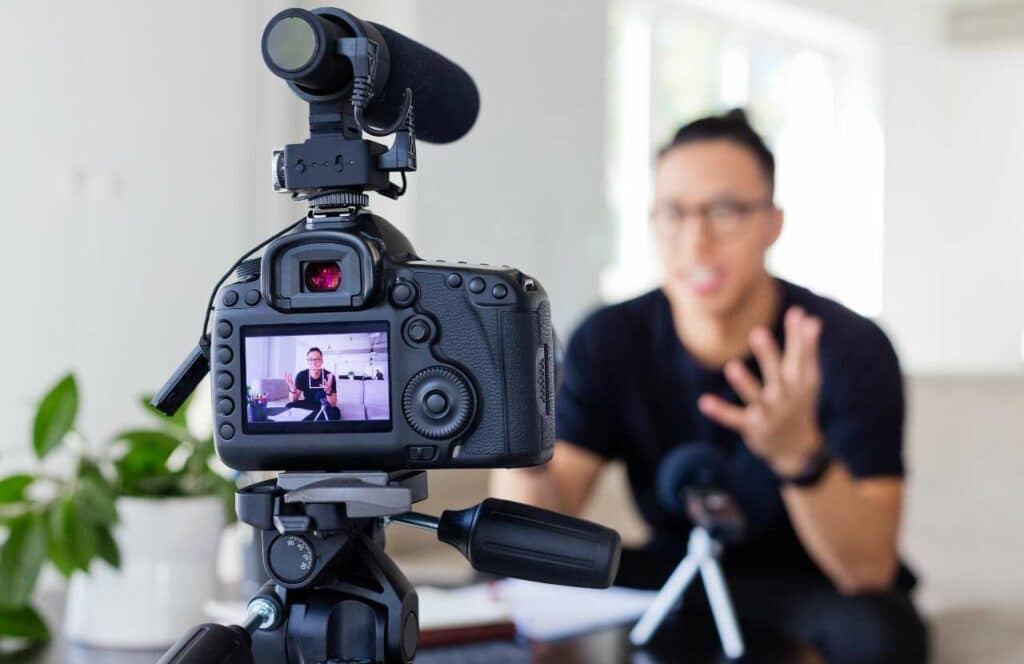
512 539
211 644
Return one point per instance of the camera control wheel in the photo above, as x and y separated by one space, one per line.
438 402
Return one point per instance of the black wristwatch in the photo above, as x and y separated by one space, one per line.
814 469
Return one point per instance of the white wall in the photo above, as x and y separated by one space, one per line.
953 289
525 186
136 140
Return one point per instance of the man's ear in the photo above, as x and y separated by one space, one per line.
776 218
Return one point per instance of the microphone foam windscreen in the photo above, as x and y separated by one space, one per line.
690 464
444 97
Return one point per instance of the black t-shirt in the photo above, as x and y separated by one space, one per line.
629 391
319 389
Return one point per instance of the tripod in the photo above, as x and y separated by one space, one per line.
702 551
322 411
335 597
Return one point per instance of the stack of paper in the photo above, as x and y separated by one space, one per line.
544 612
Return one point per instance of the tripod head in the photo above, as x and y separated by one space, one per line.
334 593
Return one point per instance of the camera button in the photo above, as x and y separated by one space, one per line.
224 355
477 285
227 432
436 404
252 297
421 452
225 406
225 380
230 298
418 331
499 291
403 294
453 280
224 329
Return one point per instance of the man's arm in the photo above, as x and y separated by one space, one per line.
293 389
332 395
562 485
849 527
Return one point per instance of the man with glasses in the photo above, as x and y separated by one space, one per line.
802 397
314 388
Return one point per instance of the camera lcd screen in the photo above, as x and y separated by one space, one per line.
316 378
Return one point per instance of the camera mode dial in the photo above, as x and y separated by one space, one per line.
438 402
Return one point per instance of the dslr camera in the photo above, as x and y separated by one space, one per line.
340 348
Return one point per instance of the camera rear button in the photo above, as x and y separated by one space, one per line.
230 298
224 329
224 355
477 285
227 432
403 294
225 380
499 291
453 280
225 406
252 297
418 331
435 403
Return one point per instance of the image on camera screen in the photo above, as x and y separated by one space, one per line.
316 378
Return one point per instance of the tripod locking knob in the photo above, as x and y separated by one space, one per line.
291 558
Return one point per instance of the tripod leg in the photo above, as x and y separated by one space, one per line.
665 601
721 608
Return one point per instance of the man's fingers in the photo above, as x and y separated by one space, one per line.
767 353
745 383
722 411
811 332
793 353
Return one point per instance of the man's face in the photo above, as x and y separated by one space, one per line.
713 222
315 361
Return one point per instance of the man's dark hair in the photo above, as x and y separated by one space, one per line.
732 126
314 348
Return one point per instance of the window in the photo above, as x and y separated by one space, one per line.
809 86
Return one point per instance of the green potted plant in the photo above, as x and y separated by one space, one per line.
134 525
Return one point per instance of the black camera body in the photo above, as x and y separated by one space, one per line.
464 358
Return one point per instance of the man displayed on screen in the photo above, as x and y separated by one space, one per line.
314 388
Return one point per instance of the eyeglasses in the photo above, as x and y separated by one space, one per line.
724 218
314 359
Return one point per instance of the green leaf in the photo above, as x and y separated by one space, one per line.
72 536
106 547
21 558
55 416
57 548
23 622
12 489
145 462
95 501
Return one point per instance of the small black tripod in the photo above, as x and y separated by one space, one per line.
334 596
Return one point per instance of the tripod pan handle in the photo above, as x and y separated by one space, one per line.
211 644
511 539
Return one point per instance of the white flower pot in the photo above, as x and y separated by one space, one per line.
168 570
